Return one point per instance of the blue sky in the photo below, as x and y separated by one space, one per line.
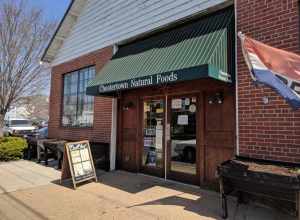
53 9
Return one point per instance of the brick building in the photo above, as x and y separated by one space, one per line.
171 92
267 131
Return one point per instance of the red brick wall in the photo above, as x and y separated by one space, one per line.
267 131
100 132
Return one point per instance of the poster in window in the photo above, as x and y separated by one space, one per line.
151 158
187 101
146 107
176 103
192 108
183 120
159 137
159 110
148 141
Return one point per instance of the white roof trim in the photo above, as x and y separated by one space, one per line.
63 29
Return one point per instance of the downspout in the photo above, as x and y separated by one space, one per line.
167 135
113 133
236 83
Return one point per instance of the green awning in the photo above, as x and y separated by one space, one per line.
197 50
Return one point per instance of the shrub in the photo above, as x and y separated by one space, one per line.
12 148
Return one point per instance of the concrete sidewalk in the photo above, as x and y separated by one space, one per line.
118 195
18 175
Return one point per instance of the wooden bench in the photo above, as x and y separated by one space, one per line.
55 146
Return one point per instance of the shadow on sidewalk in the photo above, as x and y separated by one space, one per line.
190 198
160 195
10 199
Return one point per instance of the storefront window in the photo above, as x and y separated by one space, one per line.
77 106
153 133
183 135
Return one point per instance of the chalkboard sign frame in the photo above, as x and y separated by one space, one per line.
70 166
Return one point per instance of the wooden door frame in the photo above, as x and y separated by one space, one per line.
201 135
193 179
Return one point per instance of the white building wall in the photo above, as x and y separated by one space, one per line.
106 22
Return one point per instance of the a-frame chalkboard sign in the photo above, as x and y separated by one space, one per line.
78 163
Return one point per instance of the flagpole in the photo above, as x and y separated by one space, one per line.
245 54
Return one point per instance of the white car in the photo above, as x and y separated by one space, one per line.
19 127
184 150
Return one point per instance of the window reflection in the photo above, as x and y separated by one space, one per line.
77 106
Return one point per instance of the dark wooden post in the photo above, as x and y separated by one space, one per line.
46 155
223 199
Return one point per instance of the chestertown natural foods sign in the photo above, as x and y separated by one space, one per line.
139 82
160 78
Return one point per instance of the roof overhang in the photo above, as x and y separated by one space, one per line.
63 29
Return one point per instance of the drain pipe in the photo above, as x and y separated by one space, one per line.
113 133
236 84
113 137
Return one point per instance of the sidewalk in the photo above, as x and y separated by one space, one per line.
35 193
18 175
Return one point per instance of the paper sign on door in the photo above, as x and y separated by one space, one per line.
183 120
176 103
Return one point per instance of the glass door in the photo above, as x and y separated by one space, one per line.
153 137
182 146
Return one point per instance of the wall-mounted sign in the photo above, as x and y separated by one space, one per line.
78 163
190 73
140 82
164 78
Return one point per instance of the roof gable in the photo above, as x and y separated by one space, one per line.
63 29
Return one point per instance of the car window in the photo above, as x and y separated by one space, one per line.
21 122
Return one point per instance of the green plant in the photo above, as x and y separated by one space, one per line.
12 148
